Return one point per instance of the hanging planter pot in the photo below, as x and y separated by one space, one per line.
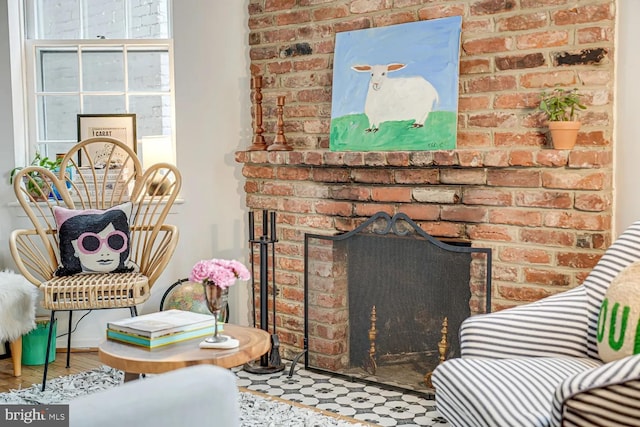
564 134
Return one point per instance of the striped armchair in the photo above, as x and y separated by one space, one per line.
537 365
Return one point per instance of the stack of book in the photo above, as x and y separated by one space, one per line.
93 181
162 328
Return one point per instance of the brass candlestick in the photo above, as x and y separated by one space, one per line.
280 142
258 140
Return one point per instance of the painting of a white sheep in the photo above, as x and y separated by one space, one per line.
396 87
404 98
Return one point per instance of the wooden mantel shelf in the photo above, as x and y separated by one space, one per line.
449 158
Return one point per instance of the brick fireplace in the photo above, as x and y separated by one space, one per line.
384 302
546 214
536 250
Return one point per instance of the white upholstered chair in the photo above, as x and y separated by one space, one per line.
537 365
17 313
95 175
195 396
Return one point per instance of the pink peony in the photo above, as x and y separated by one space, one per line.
200 271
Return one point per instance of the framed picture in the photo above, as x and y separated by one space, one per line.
119 126
395 88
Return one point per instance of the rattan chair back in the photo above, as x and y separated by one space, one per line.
96 173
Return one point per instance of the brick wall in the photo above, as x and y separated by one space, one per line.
545 213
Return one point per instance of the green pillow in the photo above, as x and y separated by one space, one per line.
619 320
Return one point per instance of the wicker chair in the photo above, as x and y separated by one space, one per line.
96 173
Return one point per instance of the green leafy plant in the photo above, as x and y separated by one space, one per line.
36 182
560 105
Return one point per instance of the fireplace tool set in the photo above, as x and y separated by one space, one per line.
271 362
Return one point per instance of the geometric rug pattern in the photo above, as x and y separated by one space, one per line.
255 410
357 400
363 402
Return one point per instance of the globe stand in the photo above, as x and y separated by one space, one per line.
270 362
228 343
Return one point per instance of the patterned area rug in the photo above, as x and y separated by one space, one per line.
255 410
365 403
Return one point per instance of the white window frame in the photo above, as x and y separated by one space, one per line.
24 73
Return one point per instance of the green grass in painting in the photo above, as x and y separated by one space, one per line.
439 133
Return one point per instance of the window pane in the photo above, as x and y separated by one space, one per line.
54 19
149 19
57 117
92 75
153 114
148 70
64 19
57 70
104 104
52 148
103 70
104 19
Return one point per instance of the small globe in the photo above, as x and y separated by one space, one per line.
187 296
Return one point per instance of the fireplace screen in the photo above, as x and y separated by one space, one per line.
384 302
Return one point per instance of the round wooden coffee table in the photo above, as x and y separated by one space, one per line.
134 360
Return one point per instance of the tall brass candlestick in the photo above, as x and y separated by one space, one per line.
280 142
258 140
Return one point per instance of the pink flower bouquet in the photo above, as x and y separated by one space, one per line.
220 272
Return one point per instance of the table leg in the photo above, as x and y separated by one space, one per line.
130 376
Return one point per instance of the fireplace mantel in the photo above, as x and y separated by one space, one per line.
470 158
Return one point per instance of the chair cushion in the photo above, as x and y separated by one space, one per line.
93 241
482 392
620 315
597 396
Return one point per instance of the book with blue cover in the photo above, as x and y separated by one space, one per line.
164 340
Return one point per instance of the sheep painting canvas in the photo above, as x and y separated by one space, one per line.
396 88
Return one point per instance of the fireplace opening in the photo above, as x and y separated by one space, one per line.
384 302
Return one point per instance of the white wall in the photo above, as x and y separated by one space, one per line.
213 120
627 120
7 152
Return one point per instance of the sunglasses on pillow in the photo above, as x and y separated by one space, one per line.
91 243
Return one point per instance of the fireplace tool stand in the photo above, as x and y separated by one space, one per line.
271 362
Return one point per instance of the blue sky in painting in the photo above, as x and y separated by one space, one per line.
430 49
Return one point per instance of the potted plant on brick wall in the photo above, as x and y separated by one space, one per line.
560 106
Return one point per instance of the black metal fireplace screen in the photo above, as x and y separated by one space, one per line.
383 303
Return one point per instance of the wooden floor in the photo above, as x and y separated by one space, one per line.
80 361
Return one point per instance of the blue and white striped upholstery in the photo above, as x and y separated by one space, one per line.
475 392
537 365
605 396
553 327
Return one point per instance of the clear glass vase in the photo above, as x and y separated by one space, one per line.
216 298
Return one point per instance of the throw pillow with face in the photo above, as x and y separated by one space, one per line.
94 241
